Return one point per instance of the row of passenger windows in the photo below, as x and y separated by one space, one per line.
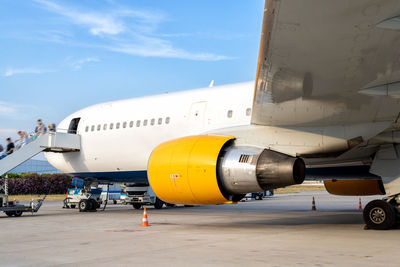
230 113
125 124
145 122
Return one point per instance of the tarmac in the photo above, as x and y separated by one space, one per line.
278 231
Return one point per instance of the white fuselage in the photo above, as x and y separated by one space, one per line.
141 124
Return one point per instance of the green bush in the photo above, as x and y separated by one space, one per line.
33 183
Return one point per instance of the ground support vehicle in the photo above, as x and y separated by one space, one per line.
84 199
12 208
141 194
110 192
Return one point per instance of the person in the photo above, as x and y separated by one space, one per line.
40 128
10 147
23 139
52 128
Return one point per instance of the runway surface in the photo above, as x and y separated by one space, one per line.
277 231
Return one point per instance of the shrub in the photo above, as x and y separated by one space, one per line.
34 183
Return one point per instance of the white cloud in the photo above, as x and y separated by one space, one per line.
11 71
7 131
99 23
15 111
77 65
128 31
6 108
166 51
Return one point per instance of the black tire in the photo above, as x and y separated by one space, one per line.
170 205
9 213
17 213
258 197
158 204
73 206
136 206
379 215
115 202
93 204
83 205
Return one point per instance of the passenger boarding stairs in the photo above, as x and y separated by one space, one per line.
50 142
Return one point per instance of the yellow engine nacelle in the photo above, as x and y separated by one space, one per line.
184 171
209 169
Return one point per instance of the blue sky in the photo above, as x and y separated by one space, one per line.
59 56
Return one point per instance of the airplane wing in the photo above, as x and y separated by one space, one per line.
328 62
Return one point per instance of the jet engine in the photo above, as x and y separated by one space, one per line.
208 169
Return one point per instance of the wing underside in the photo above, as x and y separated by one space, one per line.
327 62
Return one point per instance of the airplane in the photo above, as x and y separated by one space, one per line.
324 105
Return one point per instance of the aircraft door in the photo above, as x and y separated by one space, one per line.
197 116
73 126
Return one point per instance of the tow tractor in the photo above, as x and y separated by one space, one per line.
141 194
12 208
84 199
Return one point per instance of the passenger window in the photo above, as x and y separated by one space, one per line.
152 121
145 123
98 127
230 112
105 126
167 120
131 124
87 129
248 112
117 125
92 128
124 124
137 123
159 121
111 126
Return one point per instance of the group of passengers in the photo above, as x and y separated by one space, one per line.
24 138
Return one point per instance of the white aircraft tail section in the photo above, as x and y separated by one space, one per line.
49 142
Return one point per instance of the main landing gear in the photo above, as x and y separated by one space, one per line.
382 214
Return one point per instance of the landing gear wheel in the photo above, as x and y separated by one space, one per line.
18 213
158 204
136 206
93 204
9 213
83 205
379 215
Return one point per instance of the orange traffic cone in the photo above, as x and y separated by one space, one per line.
313 204
145 222
359 204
